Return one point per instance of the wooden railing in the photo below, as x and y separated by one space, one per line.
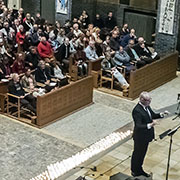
153 75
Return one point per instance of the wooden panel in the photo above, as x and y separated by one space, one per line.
153 75
60 102
48 10
143 24
3 91
144 4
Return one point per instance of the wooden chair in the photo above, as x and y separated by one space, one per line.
16 105
18 108
105 79
3 100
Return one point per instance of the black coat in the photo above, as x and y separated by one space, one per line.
141 119
42 75
61 52
129 52
32 58
140 51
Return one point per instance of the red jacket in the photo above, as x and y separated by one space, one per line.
18 68
44 50
20 38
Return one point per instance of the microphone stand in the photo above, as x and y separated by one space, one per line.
171 133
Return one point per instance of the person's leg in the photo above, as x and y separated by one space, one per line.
32 100
140 149
27 104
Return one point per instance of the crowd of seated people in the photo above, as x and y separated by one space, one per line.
33 43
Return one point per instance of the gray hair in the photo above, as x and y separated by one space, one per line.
143 96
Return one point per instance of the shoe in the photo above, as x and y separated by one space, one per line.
145 174
134 174
140 174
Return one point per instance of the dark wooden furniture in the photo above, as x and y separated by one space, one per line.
63 101
94 69
3 91
153 75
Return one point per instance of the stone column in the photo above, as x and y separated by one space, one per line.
166 40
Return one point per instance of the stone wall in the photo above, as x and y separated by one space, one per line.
31 6
165 43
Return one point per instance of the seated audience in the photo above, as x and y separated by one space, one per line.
133 55
106 65
63 53
121 58
20 36
143 51
124 31
15 88
28 81
5 68
91 51
126 38
80 61
98 21
114 41
56 72
45 50
42 73
76 31
19 64
110 21
32 58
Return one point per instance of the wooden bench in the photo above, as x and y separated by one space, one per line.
60 102
94 69
153 75
63 101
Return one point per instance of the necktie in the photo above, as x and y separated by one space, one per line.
146 108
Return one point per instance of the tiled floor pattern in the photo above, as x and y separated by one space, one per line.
118 160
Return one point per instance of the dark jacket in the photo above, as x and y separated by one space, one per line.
32 58
61 52
110 23
141 119
42 75
114 44
141 52
15 89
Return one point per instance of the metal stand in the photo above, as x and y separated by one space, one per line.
171 133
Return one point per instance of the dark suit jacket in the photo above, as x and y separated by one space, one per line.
129 52
61 52
141 119
140 51
40 75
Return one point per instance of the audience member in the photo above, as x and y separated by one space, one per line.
45 50
133 55
91 51
98 22
15 88
126 38
19 64
110 21
32 58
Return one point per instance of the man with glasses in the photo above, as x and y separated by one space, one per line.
144 122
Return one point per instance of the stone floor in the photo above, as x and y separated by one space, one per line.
118 160
26 151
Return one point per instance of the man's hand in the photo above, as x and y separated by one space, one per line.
155 122
166 113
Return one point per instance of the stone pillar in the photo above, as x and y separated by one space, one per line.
165 40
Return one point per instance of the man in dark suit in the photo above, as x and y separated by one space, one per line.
143 117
